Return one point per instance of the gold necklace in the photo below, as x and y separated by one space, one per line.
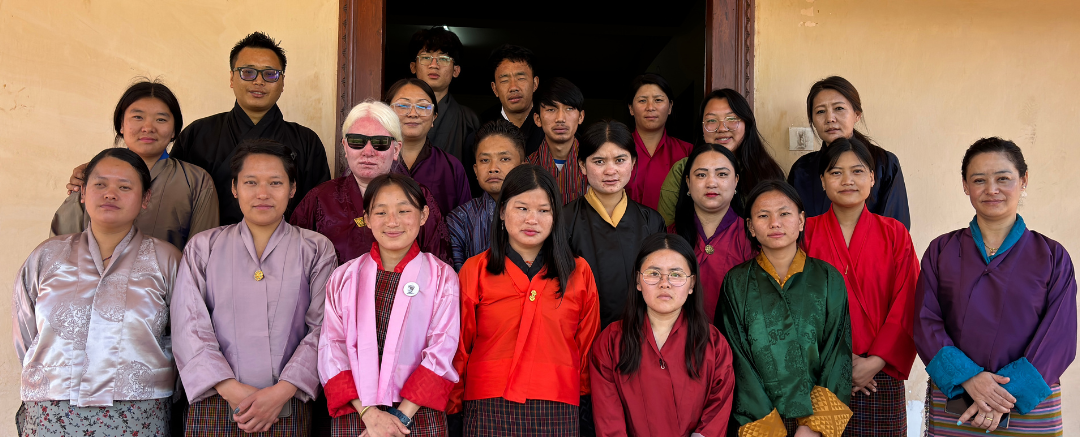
991 250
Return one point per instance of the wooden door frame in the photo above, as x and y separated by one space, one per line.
729 54
361 57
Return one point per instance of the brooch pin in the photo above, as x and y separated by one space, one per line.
708 249
360 222
259 275
411 289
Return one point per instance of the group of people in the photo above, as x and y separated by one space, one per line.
521 277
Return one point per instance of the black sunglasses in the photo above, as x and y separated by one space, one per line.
380 143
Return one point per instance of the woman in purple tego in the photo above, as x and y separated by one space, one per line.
90 315
996 310
248 308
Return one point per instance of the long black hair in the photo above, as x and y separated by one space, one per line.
684 209
756 162
556 250
693 310
767 187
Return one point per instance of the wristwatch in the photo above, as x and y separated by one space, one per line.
405 420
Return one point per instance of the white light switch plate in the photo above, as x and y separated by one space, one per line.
800 139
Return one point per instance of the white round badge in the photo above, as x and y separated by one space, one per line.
411 289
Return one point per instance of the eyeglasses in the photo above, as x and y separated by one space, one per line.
675 278
443 61
269 74
380 143
423 109
713 125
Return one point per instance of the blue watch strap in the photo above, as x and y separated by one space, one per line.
405 420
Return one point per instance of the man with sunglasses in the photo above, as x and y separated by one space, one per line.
257 78
372 143
435 54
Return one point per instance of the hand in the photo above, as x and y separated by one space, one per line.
805 431
259 411
234 391
980 419
863 371
382 424
985 388
78 179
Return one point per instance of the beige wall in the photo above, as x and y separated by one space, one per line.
64 64
935 75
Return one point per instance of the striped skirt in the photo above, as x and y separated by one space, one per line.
498 417
426 423
211 417
882 413
1044 420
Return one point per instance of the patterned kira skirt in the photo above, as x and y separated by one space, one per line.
123 418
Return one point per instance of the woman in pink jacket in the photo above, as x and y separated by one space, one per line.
391 324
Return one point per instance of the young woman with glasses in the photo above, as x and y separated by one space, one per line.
663 370
414 103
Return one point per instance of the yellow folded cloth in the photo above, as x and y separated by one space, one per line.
768 426
830 414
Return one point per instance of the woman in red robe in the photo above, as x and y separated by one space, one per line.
877 259
650 104
704 216
662 370
529 314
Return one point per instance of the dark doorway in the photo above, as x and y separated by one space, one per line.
600 47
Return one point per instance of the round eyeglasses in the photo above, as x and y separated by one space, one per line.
713 124
653 276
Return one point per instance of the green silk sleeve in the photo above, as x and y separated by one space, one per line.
750 402
836 337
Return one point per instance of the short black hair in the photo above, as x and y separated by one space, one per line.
127 156
512 53
768 186
558 90
408 185
390 92
501 127
140 90
257 40
605 131
436 39
991 145
263 146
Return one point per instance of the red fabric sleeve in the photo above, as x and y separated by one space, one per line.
427 389
895 342
589 325
609 416
340 391
717 410
469 297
